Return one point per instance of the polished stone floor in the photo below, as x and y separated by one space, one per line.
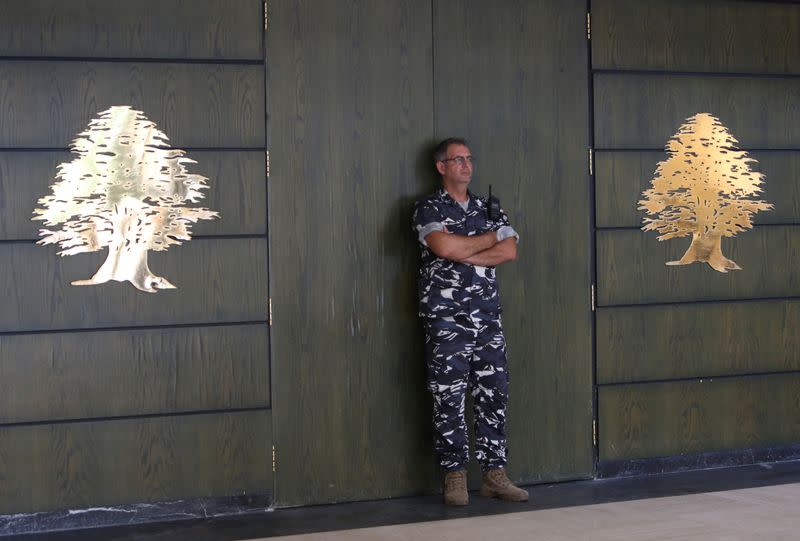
742 503
749 514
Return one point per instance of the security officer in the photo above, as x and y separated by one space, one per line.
460 309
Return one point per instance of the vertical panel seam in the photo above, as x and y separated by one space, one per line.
433 67
270 356
593 249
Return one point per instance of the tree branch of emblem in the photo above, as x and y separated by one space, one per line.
127 191
702 189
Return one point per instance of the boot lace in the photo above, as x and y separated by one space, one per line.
455 481
500 478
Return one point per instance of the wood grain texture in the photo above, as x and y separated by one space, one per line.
644 111
696 35
45 377
631 267
620 178
46 104
641 343
684 417
94 464
217 280
196 29
90 418
236 181
350 110
511 78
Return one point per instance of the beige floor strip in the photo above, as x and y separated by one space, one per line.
763 514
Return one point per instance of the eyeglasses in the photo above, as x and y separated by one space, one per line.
459 160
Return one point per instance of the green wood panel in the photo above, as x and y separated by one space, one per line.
350 109
236 180
644 111
640 343
46 104
511 78
93 464
631 267
217 280
621 176
619 179
696 35
206 29
685 417
46 377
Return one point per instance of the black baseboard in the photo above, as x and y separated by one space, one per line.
370 514
204 508
140 513
607 469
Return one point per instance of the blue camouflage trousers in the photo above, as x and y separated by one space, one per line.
468 349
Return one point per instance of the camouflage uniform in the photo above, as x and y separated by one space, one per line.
460 308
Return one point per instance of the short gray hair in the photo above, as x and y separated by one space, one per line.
440 152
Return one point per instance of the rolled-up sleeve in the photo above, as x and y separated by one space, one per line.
426 220
426 230
503 221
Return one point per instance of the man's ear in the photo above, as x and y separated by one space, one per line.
440 167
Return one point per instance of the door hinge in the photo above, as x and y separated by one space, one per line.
591 161
269 310
265 16
274 461
593 298
588 25
594 438
267 164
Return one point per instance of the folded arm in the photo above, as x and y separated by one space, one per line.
502 252
459 247
483 250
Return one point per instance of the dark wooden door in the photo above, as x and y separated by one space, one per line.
512 78
357 91
350 111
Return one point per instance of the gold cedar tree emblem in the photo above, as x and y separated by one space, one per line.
127 191
702 190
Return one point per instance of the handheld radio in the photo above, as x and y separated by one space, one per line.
493 208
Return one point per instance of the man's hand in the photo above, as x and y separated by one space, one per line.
506 232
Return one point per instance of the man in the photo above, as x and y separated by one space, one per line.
460 309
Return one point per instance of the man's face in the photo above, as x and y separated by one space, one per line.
456 169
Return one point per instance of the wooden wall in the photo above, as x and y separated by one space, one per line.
349 107
358 91
512 77
109 395
690 360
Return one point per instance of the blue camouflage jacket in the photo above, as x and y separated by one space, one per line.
447 288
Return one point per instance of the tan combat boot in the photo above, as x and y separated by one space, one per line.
455 488
496 484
